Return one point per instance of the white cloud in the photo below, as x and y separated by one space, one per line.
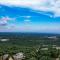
40 5
27 17
4 20
27 20
24 17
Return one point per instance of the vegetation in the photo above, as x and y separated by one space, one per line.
32 53
34 46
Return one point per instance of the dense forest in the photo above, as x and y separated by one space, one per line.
30 39
34 46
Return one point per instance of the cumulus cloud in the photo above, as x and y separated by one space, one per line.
4 20
40 5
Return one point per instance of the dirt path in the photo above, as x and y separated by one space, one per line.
57 59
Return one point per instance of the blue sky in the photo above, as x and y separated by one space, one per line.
30 16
